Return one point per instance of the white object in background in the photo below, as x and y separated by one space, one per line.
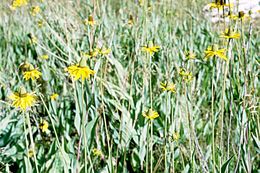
238 5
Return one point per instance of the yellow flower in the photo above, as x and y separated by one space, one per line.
29 72
97 152
90 21
220 4
230 34
34 40
243 16
168 87
232 16
80 71
131 20
149 8
91 54
141 2
35 10
103 51
30 153
44 57
150 114
213 51
32 73
190 55
54 96
40 23
22 99
44 126
151 49
175 136
215 5
18 3
186 76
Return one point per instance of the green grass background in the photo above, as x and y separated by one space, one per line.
120 90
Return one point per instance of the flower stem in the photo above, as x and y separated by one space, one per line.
151 148
104 118
25 134
151 99
165 136
55 132
32 142
83 124
213 121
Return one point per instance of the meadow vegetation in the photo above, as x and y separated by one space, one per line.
127 86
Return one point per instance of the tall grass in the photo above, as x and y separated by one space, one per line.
211 123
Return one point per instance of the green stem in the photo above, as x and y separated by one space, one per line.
32 142
165 136
107 136
83 124
151 99
173 167
213 121
147 149
151 148
55 132
223 108
26 140
150 81
172 122
190 128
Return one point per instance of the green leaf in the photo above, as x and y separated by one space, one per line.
135 159
224 166
142 142
90 130
256 143
4 122
77 122
28 166
4 138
